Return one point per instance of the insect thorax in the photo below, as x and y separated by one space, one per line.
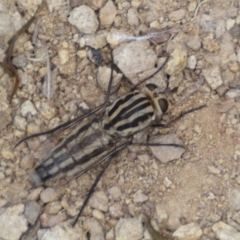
132 113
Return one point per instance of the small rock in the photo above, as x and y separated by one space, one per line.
233 93
12 222
230 23
167 153
94 228
99 201
116 210
143 55
3 202
28 107
129 228
139 197
162 215
225 232
63 56
225 106
53 207
20 123
95 41
177 15
84 19
20 61
32 128
110 235
35 193
32 211
234 199
27 162
61 232
167 183
190 231
7 153
98 3
103 78
210 44
49 195
177 62
98 215
213 77
132 17
115 191
192 62
107 13
52 220
46 109
6 25
213 170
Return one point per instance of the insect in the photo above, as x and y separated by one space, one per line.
78 145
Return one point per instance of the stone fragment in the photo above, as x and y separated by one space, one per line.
53 207
95 41
162 215
234 199
177 15
225 232
190 231
45 108
6 25
28 107
167 183
213 170
210 44
84 19
177 61
48 220
143 55
129 228
32 211
49 195
7 153
35 193
213 77
132 17
139 197
116 210
32 128
230 23
167 153
226 105
115 191
63 55
20 123
99 201
191 62
233 93
95 229
12 222
107 14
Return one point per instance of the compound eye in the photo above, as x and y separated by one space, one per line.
151 86
163 103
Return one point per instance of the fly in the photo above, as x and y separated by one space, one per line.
94 137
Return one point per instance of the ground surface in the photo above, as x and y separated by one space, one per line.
200 187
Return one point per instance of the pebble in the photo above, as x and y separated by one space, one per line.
213 77
190 231
3 202
84 19
177 15
48 220
95 41
162 215
129 228
115 191
20 123
7 153
98 214
6 25
234 199
98 3
233 93
177 61
99 201
110 235
35 193
63 55
62 231
12 222
226 105
139 197
210 44
167 183
116 210
49 195
132 17
103 77
225 232
32 211
191 62
53 207
230 23
107 14
28 107
166 153
213 170
143 55
45 108
32 128
94 228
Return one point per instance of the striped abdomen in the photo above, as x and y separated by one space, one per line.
82 149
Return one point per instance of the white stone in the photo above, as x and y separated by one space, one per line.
167 183
190 231
192 62
230 23
225 232
84 19
63 56
13 223
233 93
213 77
28 107
107 13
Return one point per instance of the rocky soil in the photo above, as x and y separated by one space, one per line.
64 65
